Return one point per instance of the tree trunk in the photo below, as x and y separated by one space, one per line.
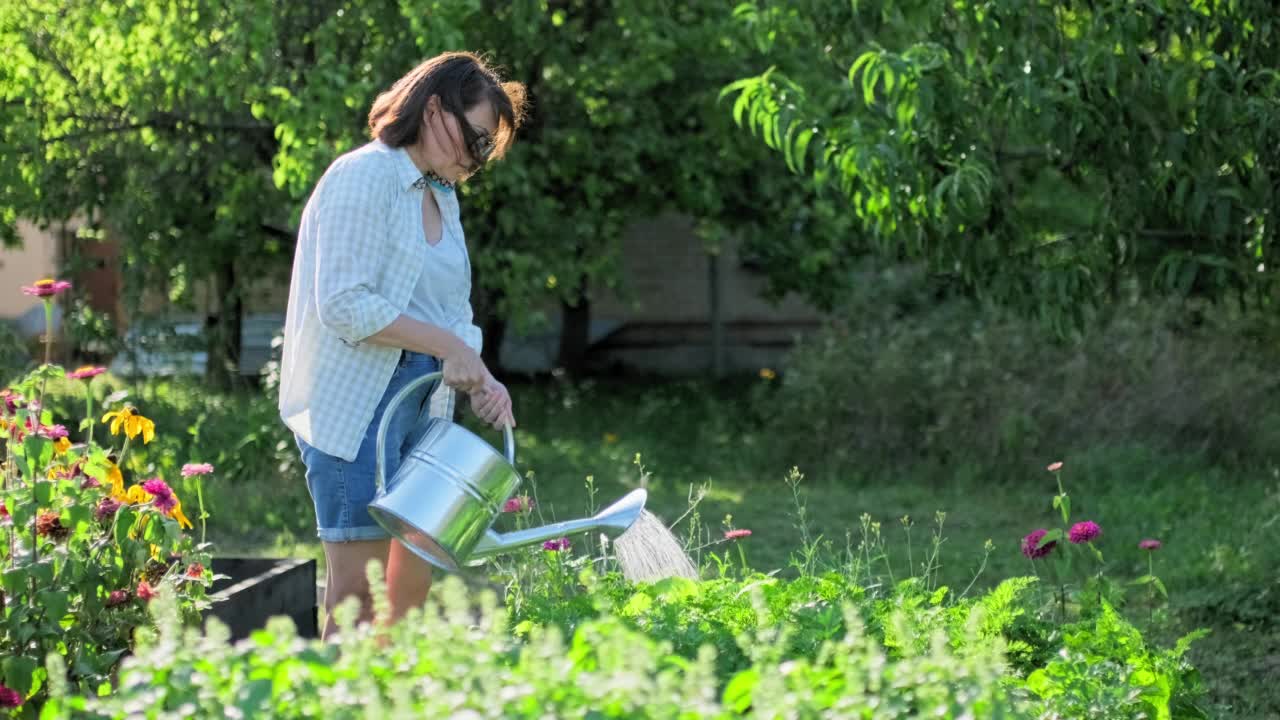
495 328
575 334
224 331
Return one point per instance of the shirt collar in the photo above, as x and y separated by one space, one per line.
406 171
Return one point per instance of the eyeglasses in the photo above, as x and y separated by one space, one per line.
479 144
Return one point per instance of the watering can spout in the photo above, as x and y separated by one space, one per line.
612 521
450 488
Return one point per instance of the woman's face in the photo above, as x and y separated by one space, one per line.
454 151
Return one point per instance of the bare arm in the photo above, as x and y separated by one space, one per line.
463 368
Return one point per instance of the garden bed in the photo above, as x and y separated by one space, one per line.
256 589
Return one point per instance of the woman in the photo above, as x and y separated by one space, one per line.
380 295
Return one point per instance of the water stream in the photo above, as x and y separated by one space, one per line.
648 551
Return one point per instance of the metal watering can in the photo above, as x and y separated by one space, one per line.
451 488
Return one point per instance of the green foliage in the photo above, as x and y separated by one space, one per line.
194 131
457 660
1042 154
80 554
944 379
1106 670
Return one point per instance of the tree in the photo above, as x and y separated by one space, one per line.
193 131
1042 154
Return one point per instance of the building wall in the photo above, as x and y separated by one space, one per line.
36 259
660 320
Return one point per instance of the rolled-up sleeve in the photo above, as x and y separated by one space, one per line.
351 232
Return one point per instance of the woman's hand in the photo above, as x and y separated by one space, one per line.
464 370
492 404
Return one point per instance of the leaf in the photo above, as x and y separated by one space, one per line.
737 694
125 519
1054 535
18 673
55 604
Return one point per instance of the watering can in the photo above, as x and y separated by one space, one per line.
451 488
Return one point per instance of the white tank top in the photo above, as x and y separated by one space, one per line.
442 295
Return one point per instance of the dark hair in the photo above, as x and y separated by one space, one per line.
462 80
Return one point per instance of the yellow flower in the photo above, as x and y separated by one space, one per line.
138 496
768 373
176 514
610 438
61 445
117 483
132 423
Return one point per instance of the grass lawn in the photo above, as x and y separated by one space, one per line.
1218 527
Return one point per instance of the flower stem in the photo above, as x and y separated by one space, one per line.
200 501
88 409
48 332
123 451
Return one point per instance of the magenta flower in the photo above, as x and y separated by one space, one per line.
159 489
106 508
1031 544
53 432
556 545
193 469
519 503
735 534
117 597
10 698
1149 544
145 591
46 288
85 372
1083 532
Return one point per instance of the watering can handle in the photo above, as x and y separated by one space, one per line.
379 478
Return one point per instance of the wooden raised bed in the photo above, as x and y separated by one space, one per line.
258 589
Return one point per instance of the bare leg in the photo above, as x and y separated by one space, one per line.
408 580
346 566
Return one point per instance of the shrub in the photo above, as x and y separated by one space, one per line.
908 373
457 660
82 551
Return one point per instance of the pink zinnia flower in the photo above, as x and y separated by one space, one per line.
107 508
4 511
1083 532
1031 544
1054 467
195 570
54 432
519 503
10 698
117 597
159 490
193 469
556 545
1149 544
735 534
85 372
145 591
46 288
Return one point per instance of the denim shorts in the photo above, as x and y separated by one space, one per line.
342 490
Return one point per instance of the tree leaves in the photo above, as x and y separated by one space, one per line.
1139 117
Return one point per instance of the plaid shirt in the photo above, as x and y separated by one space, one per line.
360 253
